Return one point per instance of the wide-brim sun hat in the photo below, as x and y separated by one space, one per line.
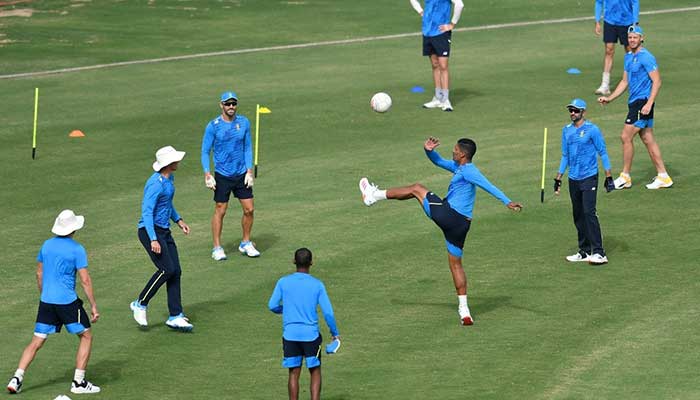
67 222
166 156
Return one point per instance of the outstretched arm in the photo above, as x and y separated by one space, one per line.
429 146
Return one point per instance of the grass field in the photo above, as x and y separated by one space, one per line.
544 329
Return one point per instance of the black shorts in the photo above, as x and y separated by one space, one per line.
634 112
294 351
454 225
615 33
51 317
438 45
225 185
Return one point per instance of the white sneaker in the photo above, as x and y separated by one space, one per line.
446 106
660 182
578 257
434 103
218 253
181 323
597 259
603 90
465 317
623 182
139 313
368 190
84 387
15 385
249 250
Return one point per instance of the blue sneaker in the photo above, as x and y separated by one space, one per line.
139 313
332 347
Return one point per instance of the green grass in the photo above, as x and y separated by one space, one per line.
544 329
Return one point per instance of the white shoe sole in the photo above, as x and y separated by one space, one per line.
135 310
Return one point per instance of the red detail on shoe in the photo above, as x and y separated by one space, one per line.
467 321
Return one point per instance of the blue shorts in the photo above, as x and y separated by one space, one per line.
295 351
635 116
51 317
454 225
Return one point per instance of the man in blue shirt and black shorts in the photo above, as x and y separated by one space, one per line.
296 297
437 39
581 143
642 78
228 136
453 214
617 15
59 260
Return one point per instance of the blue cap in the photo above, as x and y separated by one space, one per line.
225 96
636 29
577 103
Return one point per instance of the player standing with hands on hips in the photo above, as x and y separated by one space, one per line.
228 135
581 143
644 81
437 39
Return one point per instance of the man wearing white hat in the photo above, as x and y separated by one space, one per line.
157 211
59 259
228 137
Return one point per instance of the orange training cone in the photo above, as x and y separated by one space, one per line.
76 133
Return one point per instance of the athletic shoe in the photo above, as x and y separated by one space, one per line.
84 387
623 182
580 256
597 259
465 317
603 90
660 182
218 253
446 106
368 190
15 385
248 249
139 313
181 323
434 103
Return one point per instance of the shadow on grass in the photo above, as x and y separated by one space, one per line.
263 242
614 245
460 95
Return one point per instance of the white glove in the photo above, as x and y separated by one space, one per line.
248 180
210 182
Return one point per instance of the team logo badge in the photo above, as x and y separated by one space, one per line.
582 133
238 126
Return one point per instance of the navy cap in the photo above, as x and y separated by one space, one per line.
577 103
225 96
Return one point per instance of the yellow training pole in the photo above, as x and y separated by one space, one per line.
544 160
36 114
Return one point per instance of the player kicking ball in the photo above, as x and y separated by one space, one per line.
453 214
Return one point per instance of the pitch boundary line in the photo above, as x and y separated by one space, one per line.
319 44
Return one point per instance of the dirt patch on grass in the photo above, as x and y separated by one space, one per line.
20 12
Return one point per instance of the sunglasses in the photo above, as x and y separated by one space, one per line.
231 104
574 111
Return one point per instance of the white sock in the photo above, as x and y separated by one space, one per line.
663 175
79 375
606 79
463 301
445 94
438 93
380 194
19 373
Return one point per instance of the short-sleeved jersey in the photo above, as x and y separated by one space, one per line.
296 296
61 257
157 206
232 145
436 13
638 66
580 147
617 12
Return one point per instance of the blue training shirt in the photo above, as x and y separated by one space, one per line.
436 13
462 190
617 12
296 297
232 145
579 147
157 206
638 66
61 257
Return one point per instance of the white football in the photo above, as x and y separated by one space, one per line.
381 102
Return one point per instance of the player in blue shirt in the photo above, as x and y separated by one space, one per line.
59 259
618 15
453 214
296 297
157 210
581 143
437 39
228 135
644 81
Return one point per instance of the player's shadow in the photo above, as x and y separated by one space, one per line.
460 95
101 371
263 242
615 246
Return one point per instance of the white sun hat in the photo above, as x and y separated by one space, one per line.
67 222
166 156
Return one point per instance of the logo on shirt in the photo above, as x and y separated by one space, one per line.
238 127
583 132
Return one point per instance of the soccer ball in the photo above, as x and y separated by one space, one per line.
381 102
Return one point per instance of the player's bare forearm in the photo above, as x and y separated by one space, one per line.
39 275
